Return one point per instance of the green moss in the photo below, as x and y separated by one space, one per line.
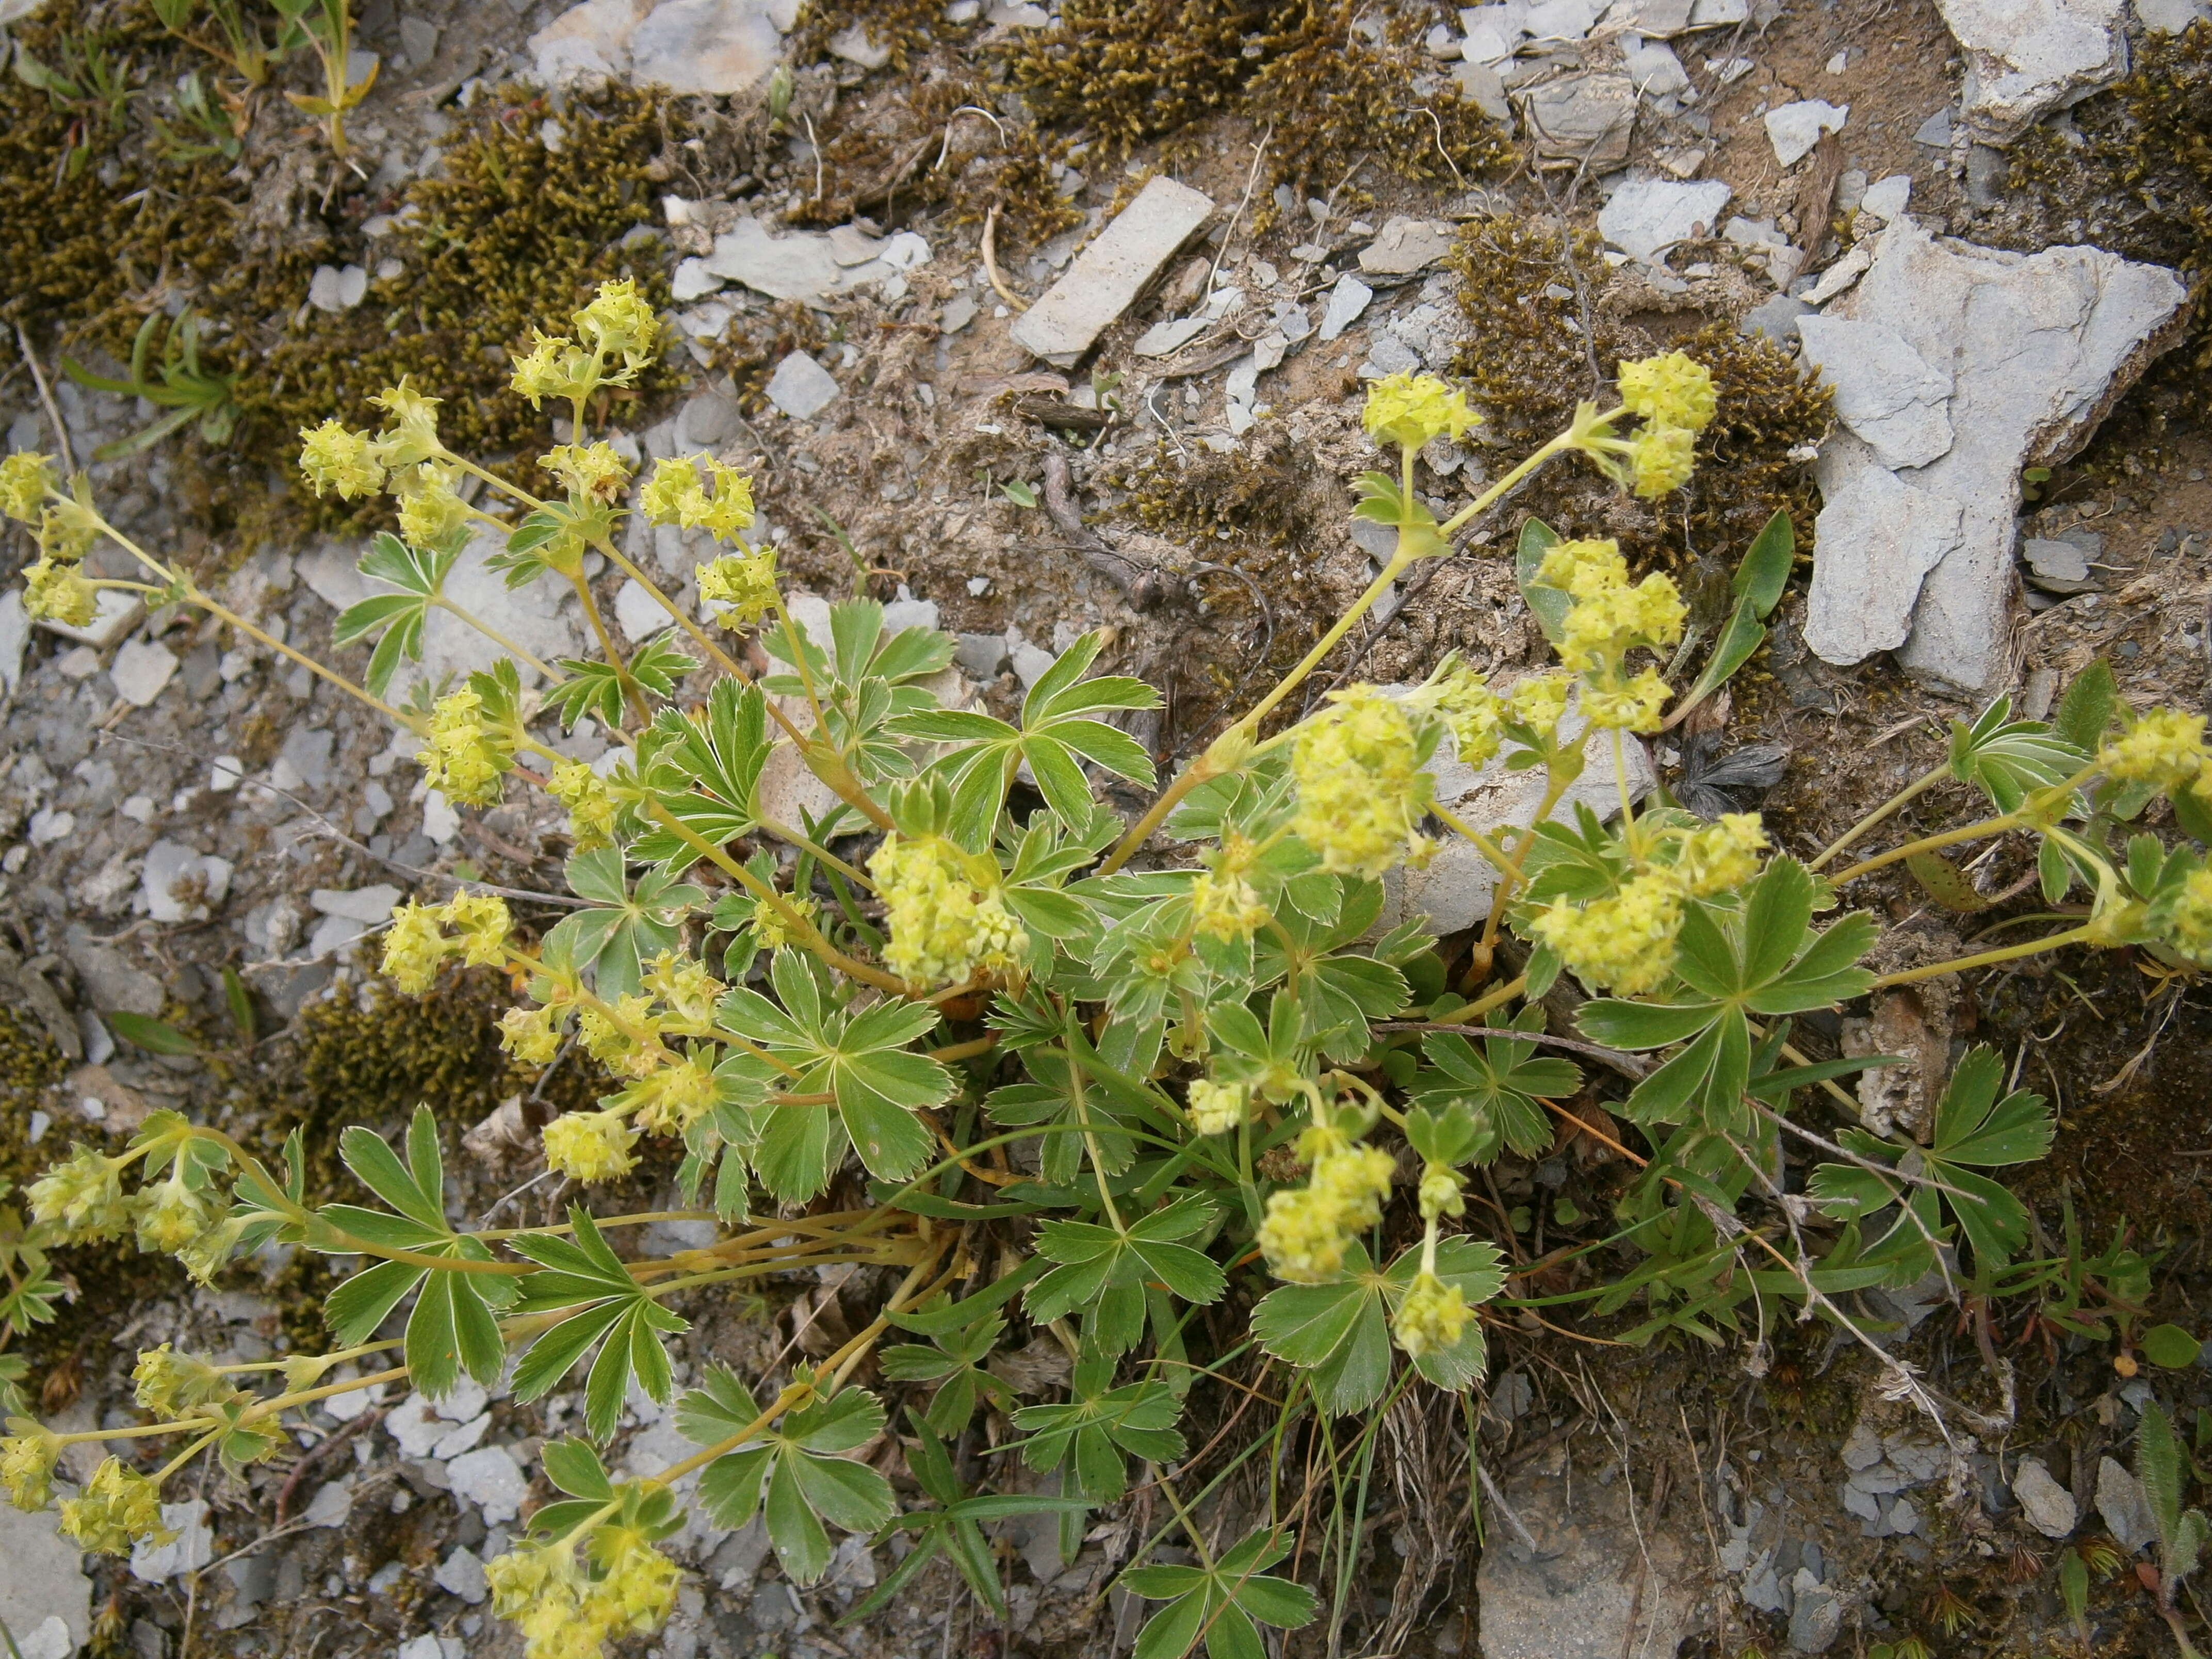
29 1066
1527 366
1130 71
905 28
1252 496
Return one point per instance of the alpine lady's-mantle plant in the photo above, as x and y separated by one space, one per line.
1210 1066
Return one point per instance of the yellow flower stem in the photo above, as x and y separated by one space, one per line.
1554 786
499 638
127 587
1896 803
328 1360
2026 817
283 1403
632 693
967 1050
799 661
189 592
1985 958
515 491
1634 842
1091 1142
784 832
180 1460
1508 867
1504 993
803 930
759 1269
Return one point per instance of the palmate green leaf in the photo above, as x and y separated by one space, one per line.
1051 1099
1500 1084
1341 1332
2007 759
1104 1270
628 928
956 1364
1549 605
794 1476
1220 1605
1091 1435
1758 586
398 618
614 1312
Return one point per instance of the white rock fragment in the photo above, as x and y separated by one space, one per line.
1561 20
638 614
1169 335
2049 1508
490 1479
2124 1506
1347 301
715 47
856 45
462 1574
181 884
1794 129
337 288
1655 69
2027 58
331 1505
192 1547
1487 42
1646 216
1405 246
1885 198
1591 115
140 670
1886 393
1841 274
2171 16
367 904
439 821
414 1425
14 635
2038 347
801 387
804 265
1107 276
44 1597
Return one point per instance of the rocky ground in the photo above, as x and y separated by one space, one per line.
1144 414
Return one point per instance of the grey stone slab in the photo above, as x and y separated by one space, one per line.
1107 276
1876 539
1648 216
801 387
2027 58
1591 115
1886 392
2049 1508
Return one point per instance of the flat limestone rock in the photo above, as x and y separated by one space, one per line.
1405 246
1583 115
2049 1508
1886 393
1107 276
714 47
1648 216
2038 347
45 1600
2027 58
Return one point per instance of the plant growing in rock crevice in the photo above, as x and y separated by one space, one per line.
1215 1058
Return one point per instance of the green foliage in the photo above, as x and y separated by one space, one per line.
1223 1602
186 390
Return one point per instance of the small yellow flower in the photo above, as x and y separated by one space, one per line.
619 323
773 928
1722 856
482 921
431 511
24 479
414 948
1471 712
590 808
945 927
1225 906
1601 627
1301 1237
412 437
625 1040
639 1587
67 530
1625 941
467 758
1633 706
335 457
1409 409
689 991
1672 389
533 1035
591 472
1661 458
590 1146
522 1577
27 1465
82 1197
1216 1107
2163 747
1439 1191
677 495
171 1216
1361 791
2188 919
553 367
1584 569
60 592
118 1508
673 1098
170 1384
1432 1316
742 584
1538 700
1304 1230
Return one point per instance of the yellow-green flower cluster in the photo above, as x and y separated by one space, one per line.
565 1614
1223 903
1216 1107
1625 940
1409 409
533 1035
619 323
27 1464
1721 856
1674 395
1538 700
687 990
554 366
677 495
1439 1191
590 808
171 1215
170 1384
1608 618
82 1197
772 925
590 1146
625 1038
118 1508
1432 1317
467 756
430 510
946 925
1361 791
58 592
412 437
2163 747
24 480
592 472
416 944
335 457
1473 713
1305 1229
741 585
2188 919
673 1098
